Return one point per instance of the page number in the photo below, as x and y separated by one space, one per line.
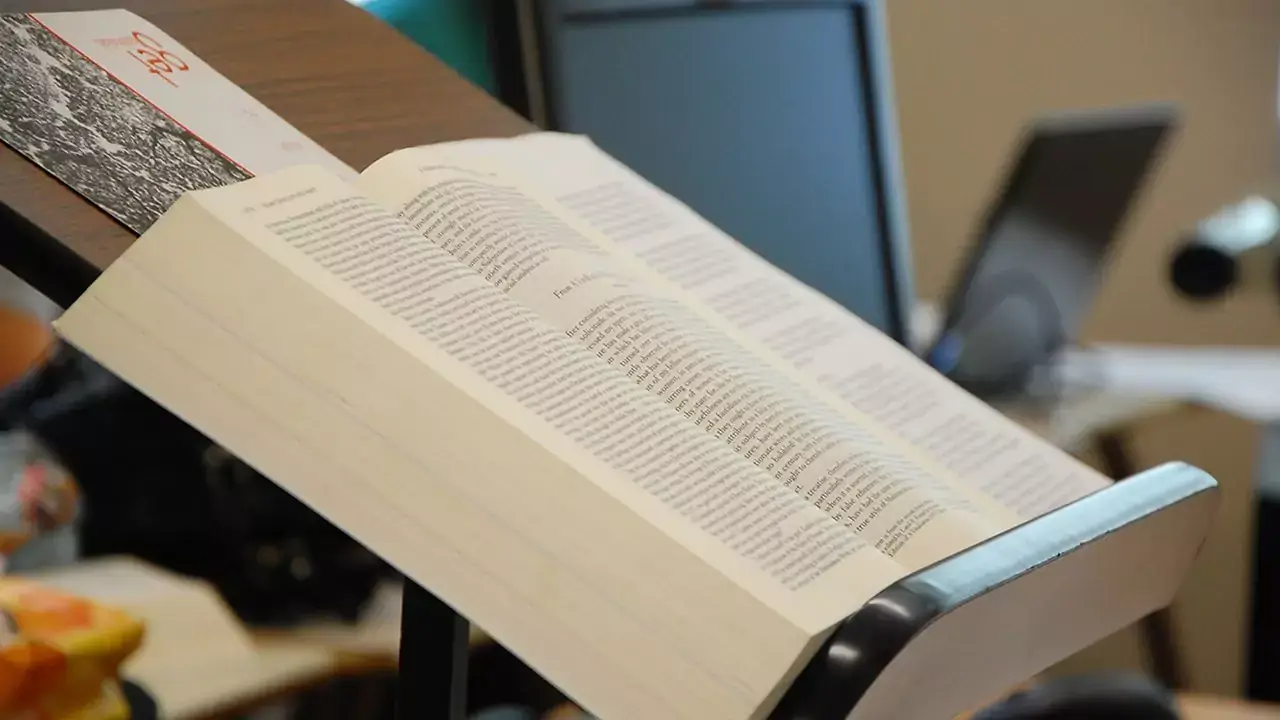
158 61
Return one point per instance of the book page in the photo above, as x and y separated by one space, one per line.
842 352
633 559
605 307
598 412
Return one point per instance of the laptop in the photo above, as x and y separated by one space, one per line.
1031 277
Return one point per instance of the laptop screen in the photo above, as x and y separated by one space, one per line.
1033 274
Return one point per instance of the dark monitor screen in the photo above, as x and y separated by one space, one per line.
757 115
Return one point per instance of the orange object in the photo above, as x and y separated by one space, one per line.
25 343
60 654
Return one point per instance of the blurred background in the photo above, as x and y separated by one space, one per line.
970 75
967 81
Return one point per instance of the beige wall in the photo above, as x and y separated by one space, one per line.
969 76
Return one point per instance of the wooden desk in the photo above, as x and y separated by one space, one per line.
196 660
334 71
1197 707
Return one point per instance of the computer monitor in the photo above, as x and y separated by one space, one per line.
774 120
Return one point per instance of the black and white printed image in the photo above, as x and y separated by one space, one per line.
93 133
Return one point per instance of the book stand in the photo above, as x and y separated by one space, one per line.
1012 605
434 649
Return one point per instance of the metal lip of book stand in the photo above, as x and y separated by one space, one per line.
434 638
434 647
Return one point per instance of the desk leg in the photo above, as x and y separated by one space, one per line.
1263 626
1158 633
433 658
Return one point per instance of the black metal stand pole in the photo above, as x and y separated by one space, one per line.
1262 622
433 658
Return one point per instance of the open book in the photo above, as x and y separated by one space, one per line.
652 465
